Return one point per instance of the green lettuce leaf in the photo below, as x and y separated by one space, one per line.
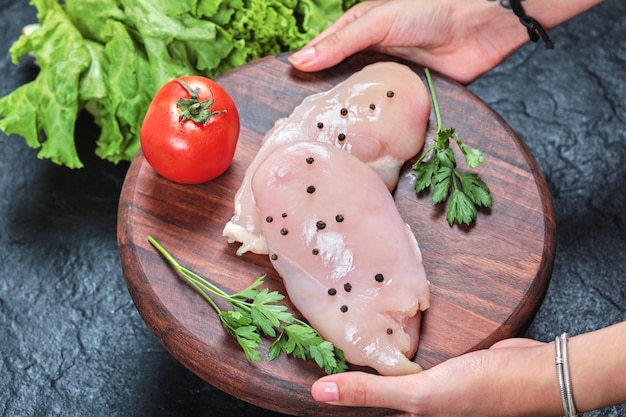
49 104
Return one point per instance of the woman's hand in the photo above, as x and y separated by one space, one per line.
439 34
461 39
515 377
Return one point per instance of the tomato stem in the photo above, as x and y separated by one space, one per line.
193 109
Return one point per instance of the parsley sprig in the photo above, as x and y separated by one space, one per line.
254 314
465 190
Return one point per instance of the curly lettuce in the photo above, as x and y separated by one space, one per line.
109 57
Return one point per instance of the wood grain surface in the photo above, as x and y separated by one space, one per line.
487 281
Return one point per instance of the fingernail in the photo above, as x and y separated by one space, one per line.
327 392
302 56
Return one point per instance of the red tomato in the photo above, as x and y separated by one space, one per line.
190 131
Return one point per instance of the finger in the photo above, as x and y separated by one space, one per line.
350 35
361 389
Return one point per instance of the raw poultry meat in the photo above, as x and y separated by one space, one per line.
378 114
349 262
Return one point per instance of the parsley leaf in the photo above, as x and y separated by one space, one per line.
424 174
461 208
302 341
476 189
465 191
267 316
255 314
473 157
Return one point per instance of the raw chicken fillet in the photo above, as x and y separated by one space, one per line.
349 262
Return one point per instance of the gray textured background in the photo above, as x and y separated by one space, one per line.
72 342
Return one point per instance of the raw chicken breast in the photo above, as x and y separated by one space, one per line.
379 115
349 263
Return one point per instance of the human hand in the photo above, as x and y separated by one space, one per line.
459 39
514 377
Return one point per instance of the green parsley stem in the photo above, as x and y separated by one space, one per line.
433 94
424 155
195 280
456 177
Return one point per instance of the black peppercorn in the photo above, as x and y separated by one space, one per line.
332 291
347 286
339 218
310 160
274 256
379 277
269 219
341 137
320 125
343 308
284 231
320 225
344 111
390 93
310 189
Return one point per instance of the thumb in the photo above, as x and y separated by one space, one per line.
361 389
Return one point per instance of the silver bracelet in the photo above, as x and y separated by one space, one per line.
562 371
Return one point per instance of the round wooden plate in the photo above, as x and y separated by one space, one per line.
487 280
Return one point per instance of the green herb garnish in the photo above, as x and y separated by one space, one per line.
465 190
254 314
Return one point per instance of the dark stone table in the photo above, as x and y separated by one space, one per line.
72 342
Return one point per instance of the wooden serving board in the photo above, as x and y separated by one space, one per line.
487 281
